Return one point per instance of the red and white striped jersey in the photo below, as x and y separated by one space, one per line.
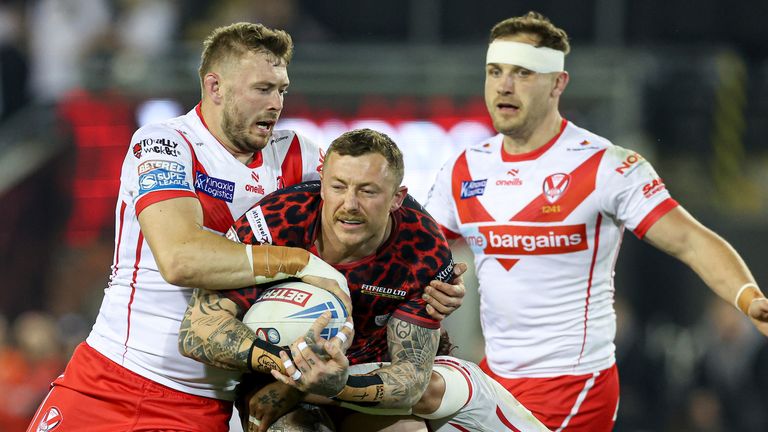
138 323
545 228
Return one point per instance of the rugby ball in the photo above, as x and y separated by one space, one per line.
286 311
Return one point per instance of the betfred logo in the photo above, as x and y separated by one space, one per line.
287 295
628 163
531 240
170 166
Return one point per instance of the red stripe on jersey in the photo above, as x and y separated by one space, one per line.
470 209
133 289
660 210
292 166
216 214
449 235
504 420
507 263
116 257
155 197
580 185
462 371
458 427
589 284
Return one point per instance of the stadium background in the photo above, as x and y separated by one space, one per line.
683 82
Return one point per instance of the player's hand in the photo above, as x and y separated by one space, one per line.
758 312
269 404
319 366
332 286
444 298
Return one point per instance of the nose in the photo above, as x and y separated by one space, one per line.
506 84
276 101
351 204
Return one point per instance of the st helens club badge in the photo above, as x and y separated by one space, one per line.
50 420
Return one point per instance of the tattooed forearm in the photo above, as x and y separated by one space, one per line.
412 349
211 333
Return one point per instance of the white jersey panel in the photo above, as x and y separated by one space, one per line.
490 406
138 323
545 229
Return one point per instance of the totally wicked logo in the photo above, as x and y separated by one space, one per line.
527 240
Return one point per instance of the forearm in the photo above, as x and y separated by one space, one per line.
189 255
211 333
395 386
718 264
706 253
401 383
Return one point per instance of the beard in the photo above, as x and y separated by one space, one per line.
236 130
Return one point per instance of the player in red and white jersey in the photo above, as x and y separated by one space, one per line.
543 205
183 183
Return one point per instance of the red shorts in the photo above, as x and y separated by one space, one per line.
96 394
570 403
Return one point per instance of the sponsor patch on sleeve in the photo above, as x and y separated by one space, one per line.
259 225
161 175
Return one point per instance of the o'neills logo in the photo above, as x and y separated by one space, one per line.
287 295
529 240
383 292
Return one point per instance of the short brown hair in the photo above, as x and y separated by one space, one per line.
533 23
235 40
360 142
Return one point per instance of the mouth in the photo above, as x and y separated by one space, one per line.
350 222
507 107
265 126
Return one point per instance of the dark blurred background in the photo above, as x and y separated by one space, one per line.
683 82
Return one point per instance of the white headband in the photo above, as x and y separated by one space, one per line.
537 59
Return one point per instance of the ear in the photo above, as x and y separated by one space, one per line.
212 87
561 82
398 199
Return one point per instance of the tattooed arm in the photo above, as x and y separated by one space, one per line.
398 385
412 349
212 332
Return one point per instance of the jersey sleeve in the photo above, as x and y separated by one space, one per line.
440 202
631 191
435 263
158 166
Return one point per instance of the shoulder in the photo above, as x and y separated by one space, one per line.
282 217
421 235
283 138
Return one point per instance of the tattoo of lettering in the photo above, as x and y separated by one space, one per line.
210 333
413 350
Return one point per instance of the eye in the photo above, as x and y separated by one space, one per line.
494 72
524 73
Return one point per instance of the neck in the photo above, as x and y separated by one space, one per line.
528 141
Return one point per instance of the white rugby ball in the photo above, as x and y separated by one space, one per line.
287 310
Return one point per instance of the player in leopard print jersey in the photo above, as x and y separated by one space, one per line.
388 283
